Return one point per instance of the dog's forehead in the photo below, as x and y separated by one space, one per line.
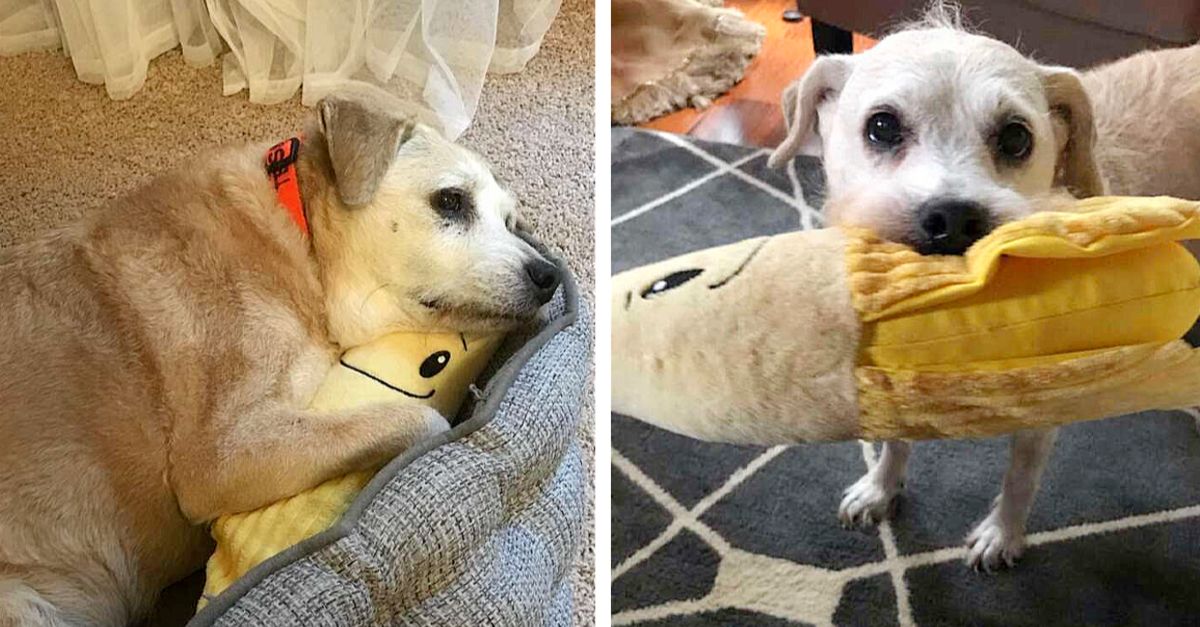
935 66
442 164
465 169
909 43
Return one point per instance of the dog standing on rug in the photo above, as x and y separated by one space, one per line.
159 355
936 135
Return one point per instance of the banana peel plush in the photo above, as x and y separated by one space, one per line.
1073 314
432 368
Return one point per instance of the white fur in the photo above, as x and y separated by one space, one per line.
400 252
951 87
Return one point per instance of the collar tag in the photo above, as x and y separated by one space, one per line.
281 168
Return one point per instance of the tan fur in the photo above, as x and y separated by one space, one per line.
1072 116
771 366
1147 114
157 356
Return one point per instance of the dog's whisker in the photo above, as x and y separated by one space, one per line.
367 298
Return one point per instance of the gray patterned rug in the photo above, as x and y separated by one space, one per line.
708 534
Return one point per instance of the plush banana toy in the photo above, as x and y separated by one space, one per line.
1078 313
432 368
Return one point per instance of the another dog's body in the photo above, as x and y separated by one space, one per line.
936 135
1147 114
158 357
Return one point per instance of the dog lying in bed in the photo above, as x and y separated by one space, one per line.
936 135
159 354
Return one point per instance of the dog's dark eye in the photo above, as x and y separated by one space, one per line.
451 201
884 130
1014 142
434 364
670 282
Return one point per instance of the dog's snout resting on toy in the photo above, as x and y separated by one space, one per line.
936 136
161 354
948 226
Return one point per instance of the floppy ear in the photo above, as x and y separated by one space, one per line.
802 99
363 135
1075 132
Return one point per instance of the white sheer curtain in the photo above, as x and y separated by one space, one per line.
109 41
434 54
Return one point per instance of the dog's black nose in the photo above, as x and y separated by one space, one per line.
544 277
950 226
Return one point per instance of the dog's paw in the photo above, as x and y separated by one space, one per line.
434 422
867 502
994 544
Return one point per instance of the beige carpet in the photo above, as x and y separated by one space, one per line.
65 148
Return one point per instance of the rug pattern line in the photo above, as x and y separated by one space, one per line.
672 195
895 570
683 518
799 205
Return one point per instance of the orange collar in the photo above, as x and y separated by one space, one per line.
281 167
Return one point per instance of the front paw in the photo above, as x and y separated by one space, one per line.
433 422
411 424
867 502
994 544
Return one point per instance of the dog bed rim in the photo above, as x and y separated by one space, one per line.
493 395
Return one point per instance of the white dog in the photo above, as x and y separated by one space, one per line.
936 135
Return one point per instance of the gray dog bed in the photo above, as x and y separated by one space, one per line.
476 527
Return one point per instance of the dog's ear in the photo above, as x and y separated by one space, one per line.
801 103
1074 131
362 134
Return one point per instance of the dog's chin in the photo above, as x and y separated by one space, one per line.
479 316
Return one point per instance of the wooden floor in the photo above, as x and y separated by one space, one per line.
750 114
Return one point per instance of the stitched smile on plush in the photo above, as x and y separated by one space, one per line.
679 277
428 371
431 371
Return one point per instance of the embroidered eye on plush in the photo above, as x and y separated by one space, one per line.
434 364
670 282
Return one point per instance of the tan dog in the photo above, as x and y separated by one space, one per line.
157 356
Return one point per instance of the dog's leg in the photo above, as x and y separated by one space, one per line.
1193 336
22 606
276 452
869 500
1000 538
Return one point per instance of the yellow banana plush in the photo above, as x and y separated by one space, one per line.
432 368
1078 313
